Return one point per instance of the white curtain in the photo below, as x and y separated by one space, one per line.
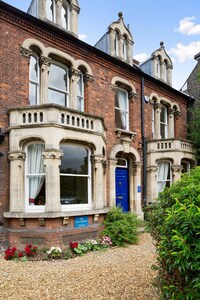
35 170
163 169
122 102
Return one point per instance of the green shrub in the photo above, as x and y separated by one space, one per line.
121 227
174 222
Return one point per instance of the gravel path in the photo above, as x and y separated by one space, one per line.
114 274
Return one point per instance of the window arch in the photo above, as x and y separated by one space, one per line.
35 176
34 79
75 176
58 87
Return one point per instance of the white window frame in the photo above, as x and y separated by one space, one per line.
76 207
80 94
125 112
55 89
28 207
35 83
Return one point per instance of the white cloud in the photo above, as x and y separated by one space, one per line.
82 36
141 57
184 53
188 27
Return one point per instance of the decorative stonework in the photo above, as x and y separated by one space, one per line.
65 220
45 61
41 222
25 52
176 168
152 168
19 155
52 154
113 87
21 222
132 95
88 78
96 218
112 162
74 74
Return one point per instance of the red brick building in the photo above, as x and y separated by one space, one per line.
82 128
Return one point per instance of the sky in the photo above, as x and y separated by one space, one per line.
175 22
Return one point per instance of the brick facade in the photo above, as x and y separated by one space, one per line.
57 228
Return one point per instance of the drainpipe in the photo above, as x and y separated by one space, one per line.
144 145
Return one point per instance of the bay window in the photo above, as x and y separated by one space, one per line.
75 176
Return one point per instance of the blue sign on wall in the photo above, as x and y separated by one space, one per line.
81 222
139 189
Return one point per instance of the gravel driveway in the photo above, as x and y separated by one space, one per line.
114 274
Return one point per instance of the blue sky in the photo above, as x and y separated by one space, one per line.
175 22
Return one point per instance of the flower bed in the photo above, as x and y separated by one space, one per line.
32 252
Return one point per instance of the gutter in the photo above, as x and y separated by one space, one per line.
144 146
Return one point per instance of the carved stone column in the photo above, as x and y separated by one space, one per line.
98 172
136 169
152 186
52 160
121 46
176 171
58 12
112 41
42 9
74 19
169 75
74 75
17 195
45 63
158 107
112 166
130 52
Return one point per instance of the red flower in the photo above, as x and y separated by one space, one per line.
20 254
73 245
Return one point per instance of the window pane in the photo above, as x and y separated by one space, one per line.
74 160
49 9
64 17
33 75
33 93
58 77
120 119
73 190
36 176
57 97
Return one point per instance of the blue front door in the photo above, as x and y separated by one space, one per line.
122 196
